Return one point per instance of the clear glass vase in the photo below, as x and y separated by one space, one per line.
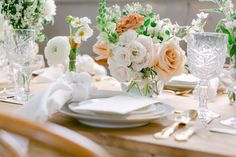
73 54
145 87
232 76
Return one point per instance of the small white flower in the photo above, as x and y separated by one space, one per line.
202 15
49 9
57 50
83 34
77 22
230 24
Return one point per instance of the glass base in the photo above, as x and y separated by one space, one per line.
206 116
12 91
229 122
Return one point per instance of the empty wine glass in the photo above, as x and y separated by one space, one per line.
206 56
19 45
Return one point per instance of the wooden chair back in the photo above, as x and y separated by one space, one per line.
45 140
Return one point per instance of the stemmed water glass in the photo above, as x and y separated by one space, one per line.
19 45
206 57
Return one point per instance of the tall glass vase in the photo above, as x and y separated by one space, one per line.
19 44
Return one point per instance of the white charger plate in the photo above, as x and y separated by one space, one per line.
158 110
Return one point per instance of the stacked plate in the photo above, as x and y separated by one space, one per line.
118 111
182 82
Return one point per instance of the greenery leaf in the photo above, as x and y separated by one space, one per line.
232 50
147 22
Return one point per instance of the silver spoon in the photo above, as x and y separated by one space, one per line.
181 119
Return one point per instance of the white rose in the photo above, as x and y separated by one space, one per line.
57 50
127 37
170 61
121 73
138 55
121 55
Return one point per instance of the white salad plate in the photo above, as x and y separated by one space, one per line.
133 119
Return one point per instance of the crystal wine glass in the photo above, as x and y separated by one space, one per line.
19 49
206 53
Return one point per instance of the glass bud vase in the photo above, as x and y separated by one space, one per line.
73 54
232 88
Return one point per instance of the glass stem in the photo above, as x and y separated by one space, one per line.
203 94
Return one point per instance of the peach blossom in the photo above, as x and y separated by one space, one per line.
132 21
101 47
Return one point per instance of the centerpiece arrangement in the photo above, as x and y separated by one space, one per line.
29 14
140 47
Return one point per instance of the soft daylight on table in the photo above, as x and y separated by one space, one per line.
105 78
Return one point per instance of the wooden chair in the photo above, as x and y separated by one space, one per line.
45 140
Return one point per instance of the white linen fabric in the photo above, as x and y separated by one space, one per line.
70 87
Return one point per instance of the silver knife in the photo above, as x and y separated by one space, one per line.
223 130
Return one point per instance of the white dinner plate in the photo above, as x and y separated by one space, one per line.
158 110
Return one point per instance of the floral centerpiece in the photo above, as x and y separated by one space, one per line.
140 47
29 14
227 25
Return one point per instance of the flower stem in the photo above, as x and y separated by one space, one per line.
72 56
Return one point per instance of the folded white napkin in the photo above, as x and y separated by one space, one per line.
49 74
184 79
121 104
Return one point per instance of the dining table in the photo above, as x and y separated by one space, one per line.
139 141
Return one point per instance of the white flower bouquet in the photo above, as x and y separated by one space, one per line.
141 47
29 14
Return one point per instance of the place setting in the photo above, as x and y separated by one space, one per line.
134 72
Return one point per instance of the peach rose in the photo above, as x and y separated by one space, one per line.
170 61
132 21
101 48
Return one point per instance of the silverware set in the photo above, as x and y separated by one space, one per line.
181 120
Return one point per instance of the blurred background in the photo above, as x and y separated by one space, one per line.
182 11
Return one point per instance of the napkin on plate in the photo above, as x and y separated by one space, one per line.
71 87
121 104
